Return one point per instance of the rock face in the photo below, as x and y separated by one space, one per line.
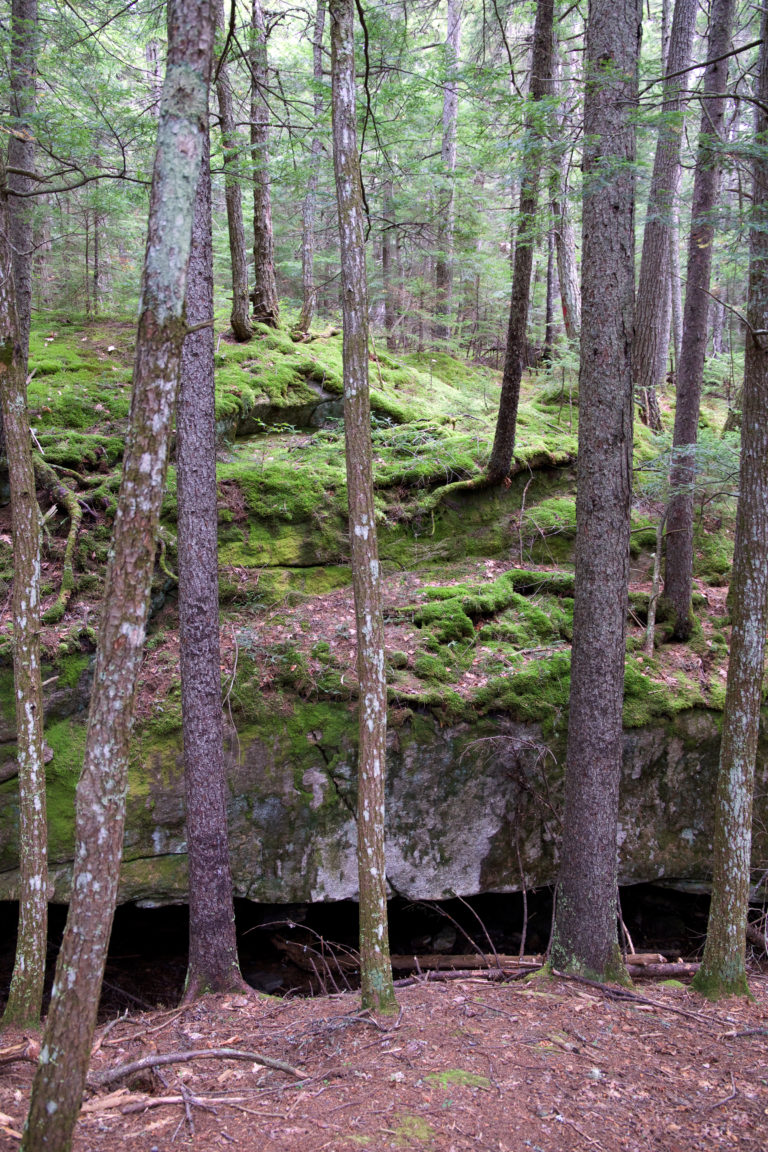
471 808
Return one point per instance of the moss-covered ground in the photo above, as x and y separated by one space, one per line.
478 582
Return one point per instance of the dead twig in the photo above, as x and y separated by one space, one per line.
101 1079
616 992
725 1099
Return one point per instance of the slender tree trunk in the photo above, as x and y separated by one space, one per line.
676 285
444 259
541 86
549 316
213 963
562 227
309 207
21 155
388 270
25 996
651 344
96 265
239 318
723 971
60 1076
567 268
717 312
26 993
264 293
585 937
375 968
678 576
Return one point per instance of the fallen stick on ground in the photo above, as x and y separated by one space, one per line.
101 1079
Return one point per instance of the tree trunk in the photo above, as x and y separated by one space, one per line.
549 314
375 968
309 207
717 314
678 577
723 971
213 963
651 343
60 1076
388 271
21 155
567 268
444 258
26 993
239 318
514 361
585 937
675 285
264 293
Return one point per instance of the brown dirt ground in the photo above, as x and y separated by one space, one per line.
545 1066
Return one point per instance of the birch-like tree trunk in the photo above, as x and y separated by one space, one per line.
585 937
21 157
100 812
567 268
723 971
678 574
309 207
213 964
444 257
264 293
375 967
26 992
651 343
514 360
389 272
239 318
549 312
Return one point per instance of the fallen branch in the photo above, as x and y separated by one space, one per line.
660 970
101 1079
504 975
616 992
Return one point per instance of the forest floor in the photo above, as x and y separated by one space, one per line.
532 1065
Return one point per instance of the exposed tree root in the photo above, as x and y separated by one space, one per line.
70 500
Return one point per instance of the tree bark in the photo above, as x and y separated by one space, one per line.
723 971
549 314
585 937
21 155
444 258
60 1076
678 576
567 268
388 269
375 968
239 318
264 292
514 361
26 992
213 964
309 207
651 344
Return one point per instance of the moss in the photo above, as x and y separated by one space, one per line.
66 738
646 699
713 557
71 667
430 667
538 692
